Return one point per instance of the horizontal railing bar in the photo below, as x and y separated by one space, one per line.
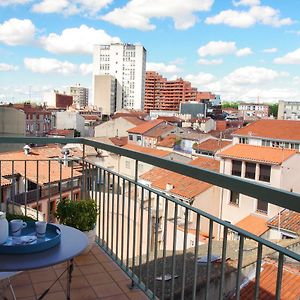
211 217
259 191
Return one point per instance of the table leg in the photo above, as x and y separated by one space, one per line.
69 278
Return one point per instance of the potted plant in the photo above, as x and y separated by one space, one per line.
81 215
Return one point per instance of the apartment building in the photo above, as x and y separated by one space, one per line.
276 167
56 99
288 110
127 63
163 94
80 95
270 133
70 120
252 111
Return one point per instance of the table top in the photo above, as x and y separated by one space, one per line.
72 243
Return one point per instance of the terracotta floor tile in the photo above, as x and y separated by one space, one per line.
46 275
40 287
116 297
85 260
118 275
110 266
77 282
138 295
86 293
21 279
55 296
27 298
76 272
125 285
91 269
106 290
102 257
99 278
24 291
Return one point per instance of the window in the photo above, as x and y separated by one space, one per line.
262 206
250 170
244 141
264 173
234 198
130 137
138 138
236 168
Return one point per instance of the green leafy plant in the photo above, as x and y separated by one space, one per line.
10 217
80 214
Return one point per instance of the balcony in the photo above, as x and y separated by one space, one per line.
168 249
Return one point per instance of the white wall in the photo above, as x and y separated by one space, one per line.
70 120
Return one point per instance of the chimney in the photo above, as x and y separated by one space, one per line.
65 152
26 149
169 187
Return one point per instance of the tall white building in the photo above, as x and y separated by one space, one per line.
80 95
127 63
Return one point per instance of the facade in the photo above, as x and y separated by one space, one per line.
70 120
250 111
105 92
163 94
193 109
127 63
271 133
58 100
80 95
275 167
210 147
117 127
288 110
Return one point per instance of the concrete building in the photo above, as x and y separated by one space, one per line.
163 94
288 110
105 93
275 167
58 100
127 63
193 109
12 123
70 120
80 95
250 111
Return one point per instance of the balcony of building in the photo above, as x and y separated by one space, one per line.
147 239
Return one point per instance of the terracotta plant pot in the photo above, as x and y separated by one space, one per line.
91 235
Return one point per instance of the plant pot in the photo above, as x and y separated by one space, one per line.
91 235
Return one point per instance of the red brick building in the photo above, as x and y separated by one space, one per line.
163 94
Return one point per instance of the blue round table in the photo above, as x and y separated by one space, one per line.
72 243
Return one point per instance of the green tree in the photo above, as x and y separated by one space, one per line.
274 109
230 105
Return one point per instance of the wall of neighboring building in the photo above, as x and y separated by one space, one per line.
70 120
12 123
114 127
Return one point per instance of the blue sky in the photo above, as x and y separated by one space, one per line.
241 49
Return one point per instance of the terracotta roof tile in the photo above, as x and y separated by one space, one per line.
181 185
212 145
258 153
143 128
171 119
119 141
134 120
290 287
62 132
146 150
159 130
289 220
274 129
168 142
254 224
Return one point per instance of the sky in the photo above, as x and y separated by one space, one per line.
242 50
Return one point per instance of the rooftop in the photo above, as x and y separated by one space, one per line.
254 224
168 142
150 151
119 141
273 129
269 155
212 145
288 220
143 128
181 185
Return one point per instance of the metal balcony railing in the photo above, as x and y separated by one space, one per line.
169 249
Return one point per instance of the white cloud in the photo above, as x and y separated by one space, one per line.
243 52
270 50
215 48
7 68
138 13
70 7
209 62
243 19
246 3
251 75
16 32
86 69
290 58
13 2
49 65
76 40
200 78
162 68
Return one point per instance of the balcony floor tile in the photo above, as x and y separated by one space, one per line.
95 276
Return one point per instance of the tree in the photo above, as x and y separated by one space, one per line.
230 105
274 109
